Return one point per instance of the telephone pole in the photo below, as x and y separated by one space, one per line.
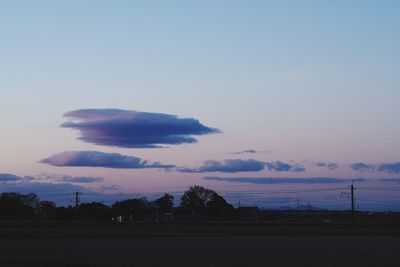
353 204
77 198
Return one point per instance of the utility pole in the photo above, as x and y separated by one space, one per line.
77 198
353 204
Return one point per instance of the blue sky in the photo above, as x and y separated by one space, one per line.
299 82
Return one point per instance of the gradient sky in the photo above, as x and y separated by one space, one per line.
300 82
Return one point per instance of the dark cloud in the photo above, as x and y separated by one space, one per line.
100 159
284 167
272 180
83 180
362 167
392 168
229 166
6 177
329 165
133 129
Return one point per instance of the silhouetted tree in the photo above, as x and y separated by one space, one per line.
47 210
218 208
31 199
195 198
165 203
132 209
93 211
17 206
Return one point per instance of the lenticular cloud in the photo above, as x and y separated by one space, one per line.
100 159
133 129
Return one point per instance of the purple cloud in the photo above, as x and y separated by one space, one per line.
100 159
134 129
240 165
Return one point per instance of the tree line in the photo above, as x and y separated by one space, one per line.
197 203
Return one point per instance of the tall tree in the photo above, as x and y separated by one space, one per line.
195 198
218 208
165 203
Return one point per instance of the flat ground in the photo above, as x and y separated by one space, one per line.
206 244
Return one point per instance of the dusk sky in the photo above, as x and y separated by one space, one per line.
123 97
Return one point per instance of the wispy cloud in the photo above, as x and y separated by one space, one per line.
111 188
391 168
134 129
240 165
100 159
393 180
51 177
83 180
328 165
362 167
249 151
284 167
229 166
273 180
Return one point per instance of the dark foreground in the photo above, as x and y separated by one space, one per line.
205 244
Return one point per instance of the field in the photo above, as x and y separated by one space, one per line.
198 244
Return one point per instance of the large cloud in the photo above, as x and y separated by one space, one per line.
133 129
240 165
6 177
100 159
272 180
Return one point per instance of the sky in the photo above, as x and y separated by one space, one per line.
124 97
